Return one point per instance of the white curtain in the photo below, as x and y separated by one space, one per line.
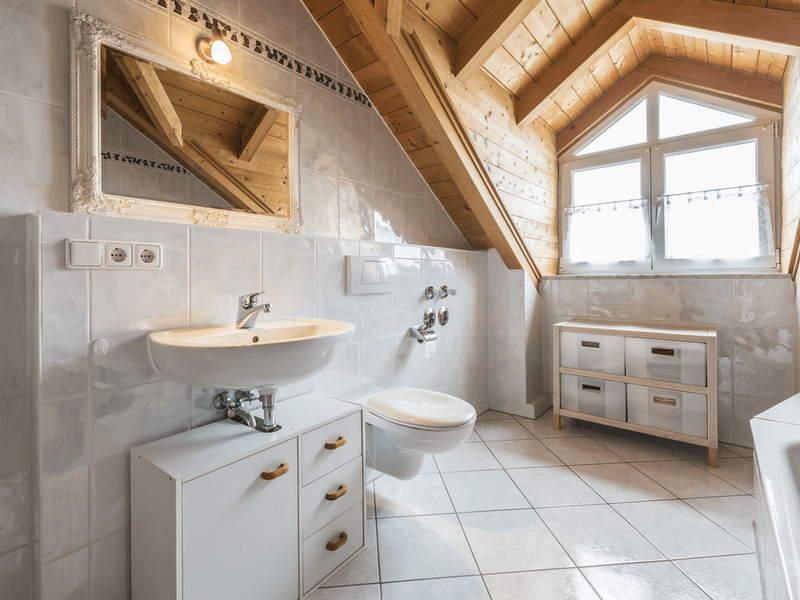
608 233
718 224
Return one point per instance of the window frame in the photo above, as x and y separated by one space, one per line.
653 152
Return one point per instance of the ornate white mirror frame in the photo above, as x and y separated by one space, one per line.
88 34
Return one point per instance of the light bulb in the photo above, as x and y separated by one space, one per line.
214 49
220 52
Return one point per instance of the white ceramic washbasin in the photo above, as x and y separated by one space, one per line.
275 353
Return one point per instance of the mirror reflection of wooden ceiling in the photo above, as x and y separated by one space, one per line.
519 73
236 146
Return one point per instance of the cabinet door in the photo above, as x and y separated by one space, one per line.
240 532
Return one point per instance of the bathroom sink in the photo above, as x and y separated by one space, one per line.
275 353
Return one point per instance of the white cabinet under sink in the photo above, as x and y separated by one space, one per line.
223 511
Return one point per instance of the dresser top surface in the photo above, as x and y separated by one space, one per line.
637 330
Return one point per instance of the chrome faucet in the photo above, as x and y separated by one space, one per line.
248 310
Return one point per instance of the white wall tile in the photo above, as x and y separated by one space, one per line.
15 474
355 210
388 157
275 24
377 314
570 298
388 216
221 239
333 301
286 243
355 142
170 235
146 23
608 298
309 40
377 365
763 301
654 299
320 203
319 139
15 574
123 419
13 316
126 305
340 379
704 300
110 558
290 282
65 326
218 279
763 362
415 221
67 578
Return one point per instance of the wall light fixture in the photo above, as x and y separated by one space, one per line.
214 49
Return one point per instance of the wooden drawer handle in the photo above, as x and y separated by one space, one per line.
337 444
334 546
337 494
282 469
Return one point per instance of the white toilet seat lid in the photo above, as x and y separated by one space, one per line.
421 408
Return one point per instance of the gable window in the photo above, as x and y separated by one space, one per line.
673 180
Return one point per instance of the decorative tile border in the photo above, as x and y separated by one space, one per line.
139 161
194 14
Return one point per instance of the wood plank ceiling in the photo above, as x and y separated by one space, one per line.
521 160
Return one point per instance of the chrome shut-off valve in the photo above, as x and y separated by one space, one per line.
442 292
425 333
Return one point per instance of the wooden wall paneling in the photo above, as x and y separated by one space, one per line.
587 88
656 41
744 59
673 45
599 8
387 100
390 11
425 157
527 52
573 16
356 53
624 56
586 52
509 72
719 54
571 103
414 140
640 43
450 16
488 33
372 78
753 26
724 82
605 72
338 25
696 49
548 32
401 121
320 8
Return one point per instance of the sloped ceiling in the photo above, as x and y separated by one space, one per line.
521 158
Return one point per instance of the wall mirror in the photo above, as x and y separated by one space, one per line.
163 137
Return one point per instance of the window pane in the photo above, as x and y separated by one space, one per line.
607 184
711 168
608 233
679 117
629 129
716 225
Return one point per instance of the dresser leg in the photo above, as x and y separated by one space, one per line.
557 421
712 457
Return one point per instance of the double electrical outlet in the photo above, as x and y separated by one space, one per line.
106 254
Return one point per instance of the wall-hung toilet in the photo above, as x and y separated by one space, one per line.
405 424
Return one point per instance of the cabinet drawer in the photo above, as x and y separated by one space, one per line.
227 522
318 560
680 412
317 509
679 362
319 460
603 353
593 396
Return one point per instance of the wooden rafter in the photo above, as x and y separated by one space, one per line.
583 55
142 78
391 12
257 129
724 82
488 33
191 155
409 67
742 24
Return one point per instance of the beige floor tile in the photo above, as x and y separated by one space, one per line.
505 429
512 540
360 592
734 514
555 486
493 415
483 490
423 495
678 530
455 588
736 471
564 584
521 454
580 451
650 581
636 447
686 480
467 457
543 428
725 577
620 482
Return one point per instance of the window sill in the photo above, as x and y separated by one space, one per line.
731 275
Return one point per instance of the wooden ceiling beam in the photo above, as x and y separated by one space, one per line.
742 24
257 129
730 84
410 69
391 12
488 33
142 78
578 59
